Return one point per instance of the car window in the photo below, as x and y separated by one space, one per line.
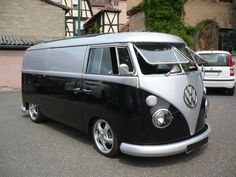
102 61
215 59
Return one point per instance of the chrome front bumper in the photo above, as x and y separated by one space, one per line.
166 149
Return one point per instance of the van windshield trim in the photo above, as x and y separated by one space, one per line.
173 49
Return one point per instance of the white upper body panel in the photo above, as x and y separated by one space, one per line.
112 38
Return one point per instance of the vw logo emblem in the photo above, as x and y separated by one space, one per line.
190 96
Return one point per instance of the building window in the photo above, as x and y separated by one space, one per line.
75 4
226 40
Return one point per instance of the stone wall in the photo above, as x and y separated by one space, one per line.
221 12
31 18
137 22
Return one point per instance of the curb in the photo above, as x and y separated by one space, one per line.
8 90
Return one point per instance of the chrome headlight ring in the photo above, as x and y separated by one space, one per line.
162 118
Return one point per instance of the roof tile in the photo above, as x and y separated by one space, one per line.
18 41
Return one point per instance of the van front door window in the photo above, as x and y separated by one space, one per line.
124 58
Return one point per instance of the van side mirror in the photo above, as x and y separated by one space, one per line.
233 62
124 69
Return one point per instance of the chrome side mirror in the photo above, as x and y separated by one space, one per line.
124 69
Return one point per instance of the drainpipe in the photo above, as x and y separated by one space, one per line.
78 31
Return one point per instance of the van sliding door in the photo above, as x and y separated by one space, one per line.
64 97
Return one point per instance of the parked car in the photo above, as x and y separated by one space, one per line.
134 92
218 71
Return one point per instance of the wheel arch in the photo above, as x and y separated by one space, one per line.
90 124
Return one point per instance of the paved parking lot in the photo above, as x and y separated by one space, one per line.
52 149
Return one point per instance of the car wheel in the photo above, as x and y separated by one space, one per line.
104 138
231 91
35 114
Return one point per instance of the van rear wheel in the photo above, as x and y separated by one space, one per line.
35 114
104 138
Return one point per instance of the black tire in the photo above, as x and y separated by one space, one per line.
104 138
35 114
231 91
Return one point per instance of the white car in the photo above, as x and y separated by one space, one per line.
218 70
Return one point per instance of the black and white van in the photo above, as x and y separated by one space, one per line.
134 92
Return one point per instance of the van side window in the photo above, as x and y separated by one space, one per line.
124 58
102 61
95 56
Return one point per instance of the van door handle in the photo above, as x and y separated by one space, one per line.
87 91
76 90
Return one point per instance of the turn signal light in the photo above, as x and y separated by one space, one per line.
231 71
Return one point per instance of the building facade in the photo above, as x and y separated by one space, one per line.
120 5
90 9
105 21
22 24
71 18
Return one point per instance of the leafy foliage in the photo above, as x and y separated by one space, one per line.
167 16
94 28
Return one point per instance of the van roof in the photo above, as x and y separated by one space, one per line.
111 38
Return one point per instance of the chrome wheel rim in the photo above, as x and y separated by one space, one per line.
33 111
103 136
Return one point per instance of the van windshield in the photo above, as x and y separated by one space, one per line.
215 59
163 59
193 56
161 54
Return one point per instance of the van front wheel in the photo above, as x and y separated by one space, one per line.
35 114
104 138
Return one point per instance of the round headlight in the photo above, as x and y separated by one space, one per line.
162 118
151 100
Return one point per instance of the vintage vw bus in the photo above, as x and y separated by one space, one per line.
134 92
